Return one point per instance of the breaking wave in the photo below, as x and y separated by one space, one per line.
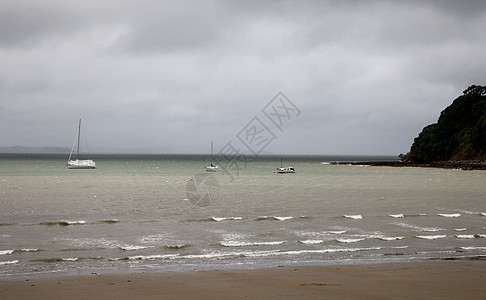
9 252
8 262
431 237
262 218
354 217
63 223
349 240
220 219
456 215
132 247
396 238
243 244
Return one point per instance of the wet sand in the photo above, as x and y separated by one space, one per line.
415 280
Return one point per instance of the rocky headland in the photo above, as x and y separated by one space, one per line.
456 141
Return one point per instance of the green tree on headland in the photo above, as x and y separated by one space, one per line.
459 134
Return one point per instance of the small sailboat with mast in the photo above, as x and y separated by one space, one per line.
212 167
283 169
78 163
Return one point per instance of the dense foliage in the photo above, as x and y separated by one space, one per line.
459 134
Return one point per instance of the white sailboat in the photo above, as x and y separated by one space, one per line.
212 167
282 169
79 164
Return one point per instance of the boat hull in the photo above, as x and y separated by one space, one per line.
285 170
212 169
81 164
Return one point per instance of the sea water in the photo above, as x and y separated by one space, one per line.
165 213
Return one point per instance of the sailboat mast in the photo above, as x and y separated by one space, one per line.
211 151
79 134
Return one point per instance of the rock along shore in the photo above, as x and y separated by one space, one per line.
450 164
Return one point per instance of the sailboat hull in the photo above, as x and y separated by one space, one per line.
213 168
285 170
81 164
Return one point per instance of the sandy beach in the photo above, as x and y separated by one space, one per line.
416 280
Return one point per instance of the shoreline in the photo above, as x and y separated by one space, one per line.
454 279
452 164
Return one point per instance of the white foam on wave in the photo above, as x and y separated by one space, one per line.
8 262
354 217
460 229
243 244
311 242
24 250
71 259
6 252
397 216
471 236
220 219
431 237
67 222
396 238
483 214
456 215
465 236
473 248
261 218
151 257
335 232
341 240
399 247
29 250
132 247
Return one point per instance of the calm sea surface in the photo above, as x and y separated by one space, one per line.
165 213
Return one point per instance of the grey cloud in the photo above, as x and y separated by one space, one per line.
367 75
25 23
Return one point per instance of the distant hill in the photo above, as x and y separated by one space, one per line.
22 149
458 135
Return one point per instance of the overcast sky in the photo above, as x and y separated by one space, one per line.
364 77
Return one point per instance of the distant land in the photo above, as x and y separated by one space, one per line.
23 149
